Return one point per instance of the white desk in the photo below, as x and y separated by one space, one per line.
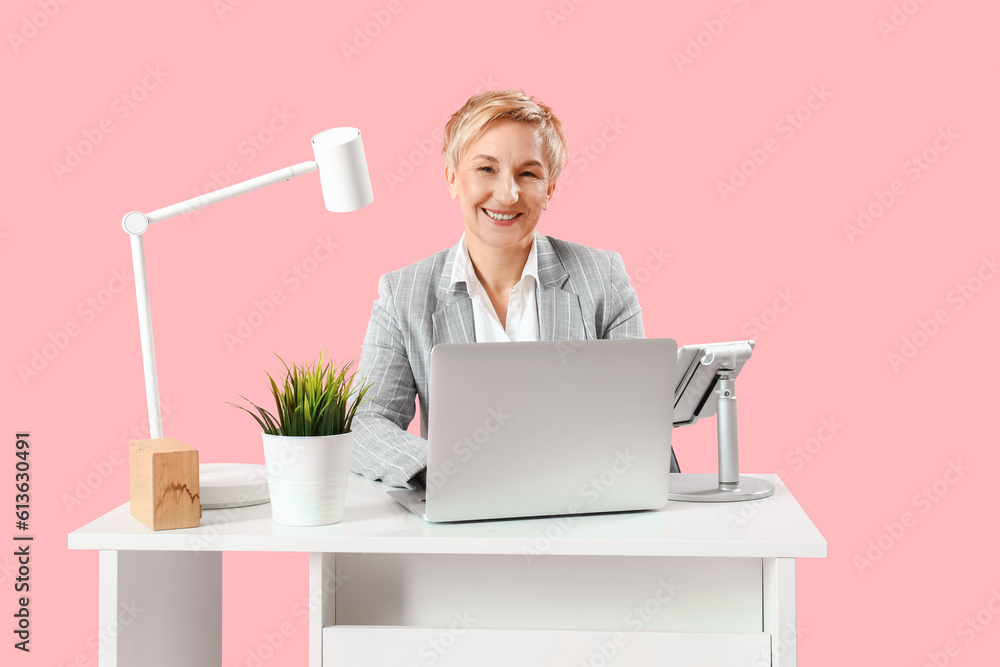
691 584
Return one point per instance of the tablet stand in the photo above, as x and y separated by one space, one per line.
728 485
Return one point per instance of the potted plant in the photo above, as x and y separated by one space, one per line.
308 440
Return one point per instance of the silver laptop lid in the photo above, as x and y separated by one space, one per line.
549 428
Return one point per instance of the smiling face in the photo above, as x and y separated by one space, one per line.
502 184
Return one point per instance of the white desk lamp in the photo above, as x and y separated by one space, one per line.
343 174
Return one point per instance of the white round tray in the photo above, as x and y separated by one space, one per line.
224 485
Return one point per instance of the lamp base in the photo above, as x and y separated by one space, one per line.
226 485
705 488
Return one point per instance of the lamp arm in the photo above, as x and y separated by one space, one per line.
135 223
146 336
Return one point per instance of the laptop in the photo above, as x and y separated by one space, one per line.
550 428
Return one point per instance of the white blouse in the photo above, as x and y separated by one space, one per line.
522 304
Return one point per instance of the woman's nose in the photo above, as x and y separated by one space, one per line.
506 191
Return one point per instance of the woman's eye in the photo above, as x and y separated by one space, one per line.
529 173
488 170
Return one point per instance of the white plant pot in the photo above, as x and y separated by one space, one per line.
307 477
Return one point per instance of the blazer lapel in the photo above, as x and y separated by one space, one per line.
559 314
453 320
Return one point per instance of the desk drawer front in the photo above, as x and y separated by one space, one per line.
445 647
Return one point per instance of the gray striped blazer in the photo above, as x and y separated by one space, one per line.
582 293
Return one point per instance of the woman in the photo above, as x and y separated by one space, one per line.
503 152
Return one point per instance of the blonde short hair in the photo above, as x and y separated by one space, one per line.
470 122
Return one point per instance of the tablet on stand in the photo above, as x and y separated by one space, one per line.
706 386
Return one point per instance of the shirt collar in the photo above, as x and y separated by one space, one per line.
462 270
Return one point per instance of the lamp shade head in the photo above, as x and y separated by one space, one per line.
343 169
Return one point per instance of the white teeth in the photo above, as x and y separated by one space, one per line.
497 216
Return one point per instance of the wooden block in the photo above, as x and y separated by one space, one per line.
163 483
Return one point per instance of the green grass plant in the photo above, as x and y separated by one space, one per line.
312 399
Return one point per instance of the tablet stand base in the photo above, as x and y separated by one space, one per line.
728 485
705 488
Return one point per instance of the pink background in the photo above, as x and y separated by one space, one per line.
649 185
